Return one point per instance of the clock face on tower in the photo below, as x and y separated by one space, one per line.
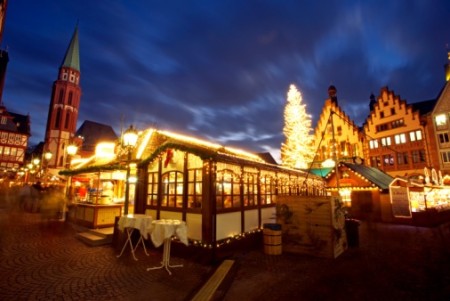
357 160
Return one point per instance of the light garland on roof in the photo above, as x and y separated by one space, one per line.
215 146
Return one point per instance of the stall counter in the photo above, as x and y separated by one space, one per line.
95 216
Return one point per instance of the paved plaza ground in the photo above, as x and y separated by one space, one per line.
44 261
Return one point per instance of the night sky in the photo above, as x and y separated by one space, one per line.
221 70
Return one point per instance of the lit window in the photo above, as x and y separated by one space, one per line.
172 189
386 141
195 188
415 135
441 119
227 189
152 189
268 189
400 138
250 189
373 144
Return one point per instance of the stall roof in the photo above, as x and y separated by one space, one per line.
163 140
152 143
321 172
374 175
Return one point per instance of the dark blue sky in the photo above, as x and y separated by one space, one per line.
221 69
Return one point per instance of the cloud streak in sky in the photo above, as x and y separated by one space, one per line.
221 69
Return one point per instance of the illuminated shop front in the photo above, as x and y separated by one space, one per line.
423 201
222 193
364 190
96 188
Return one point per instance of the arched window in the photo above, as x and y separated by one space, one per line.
61 96
172 189
58 118
67 121
69 101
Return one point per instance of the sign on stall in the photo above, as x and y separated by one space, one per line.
401 206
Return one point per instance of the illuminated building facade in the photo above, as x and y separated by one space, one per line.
14 128
336 136
398 139
441 124
14 134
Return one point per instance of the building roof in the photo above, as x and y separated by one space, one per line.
152 143
93 133
267 157
424 107
15 123
22 122
72 56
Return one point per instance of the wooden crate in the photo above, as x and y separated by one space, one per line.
312 225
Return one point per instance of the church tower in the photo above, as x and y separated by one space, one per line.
64 106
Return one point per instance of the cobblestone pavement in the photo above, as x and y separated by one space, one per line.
393 262
42 261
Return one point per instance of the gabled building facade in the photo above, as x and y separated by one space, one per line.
64 106
441 124
398 139
336 136
14 134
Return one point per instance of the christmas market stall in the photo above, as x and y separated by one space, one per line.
422 200
363 189
95 188
223 194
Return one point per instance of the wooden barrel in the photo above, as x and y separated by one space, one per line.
272 239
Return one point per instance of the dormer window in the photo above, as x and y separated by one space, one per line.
4 119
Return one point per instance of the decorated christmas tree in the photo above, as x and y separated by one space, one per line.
297 151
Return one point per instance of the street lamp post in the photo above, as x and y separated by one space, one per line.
47 157
129 142
71 151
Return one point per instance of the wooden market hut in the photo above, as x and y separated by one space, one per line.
222 193
364 189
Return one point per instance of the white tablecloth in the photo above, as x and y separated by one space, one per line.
141 222
166 228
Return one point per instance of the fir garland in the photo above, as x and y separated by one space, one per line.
91 169
201 152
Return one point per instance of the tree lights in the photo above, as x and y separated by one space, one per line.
297 151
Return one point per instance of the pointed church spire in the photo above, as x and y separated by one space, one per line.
72 56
